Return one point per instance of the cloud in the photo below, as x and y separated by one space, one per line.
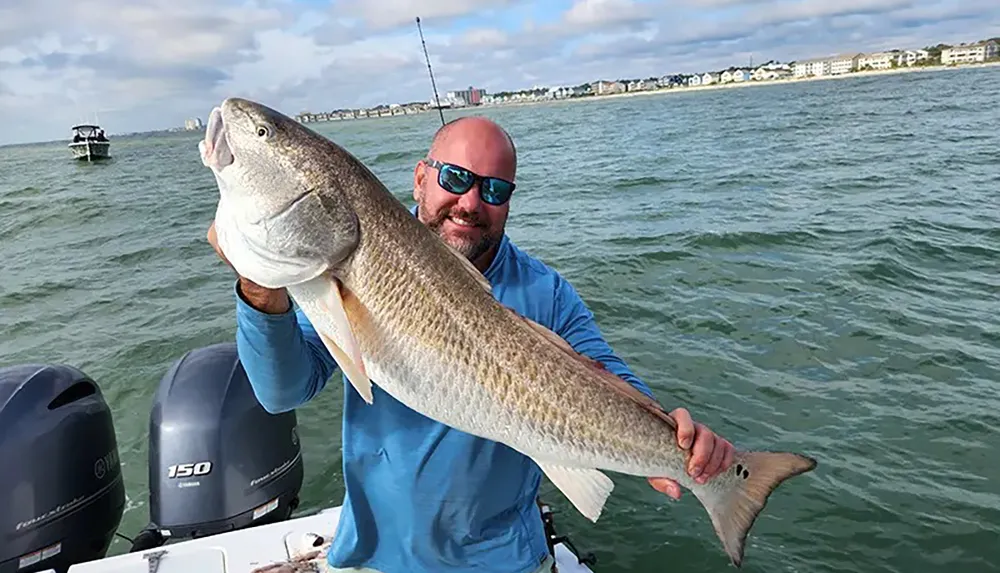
597 13
150 64
384 14
483 38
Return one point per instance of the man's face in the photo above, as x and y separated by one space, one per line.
466 222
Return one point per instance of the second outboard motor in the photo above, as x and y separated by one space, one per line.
217 460
61 490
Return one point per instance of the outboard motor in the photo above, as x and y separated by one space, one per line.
61 490
217 460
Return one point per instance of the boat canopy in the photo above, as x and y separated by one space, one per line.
85 128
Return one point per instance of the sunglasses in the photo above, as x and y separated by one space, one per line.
459 180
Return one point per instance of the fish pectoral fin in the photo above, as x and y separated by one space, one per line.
586 489
471 268
356 374
348 358
613 381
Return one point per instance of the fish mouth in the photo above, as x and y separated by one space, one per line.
215 150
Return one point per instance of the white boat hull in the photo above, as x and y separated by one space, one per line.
247 550
90 150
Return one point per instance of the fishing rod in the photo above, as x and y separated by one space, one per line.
429 71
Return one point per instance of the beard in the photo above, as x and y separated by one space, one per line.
471 249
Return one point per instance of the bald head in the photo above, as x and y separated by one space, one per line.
475 130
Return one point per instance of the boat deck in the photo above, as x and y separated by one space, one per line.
261 549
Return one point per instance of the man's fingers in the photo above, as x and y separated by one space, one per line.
666 486
685 427
715 462
701 452
213 239
728 460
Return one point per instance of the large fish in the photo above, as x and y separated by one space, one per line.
396 305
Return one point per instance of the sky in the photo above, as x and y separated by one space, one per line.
150 64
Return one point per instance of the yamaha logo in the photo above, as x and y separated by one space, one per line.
105 463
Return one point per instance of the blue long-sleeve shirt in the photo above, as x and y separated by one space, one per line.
420 496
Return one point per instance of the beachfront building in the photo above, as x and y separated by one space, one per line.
970 53
471 96
772 72
605 87
694 80
814 67
844 64
877 61
911 57
734 75
640 86
672 81
709 78
560 92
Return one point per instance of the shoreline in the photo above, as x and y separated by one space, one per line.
607 97
734 85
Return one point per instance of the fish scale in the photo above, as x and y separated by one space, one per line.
398 308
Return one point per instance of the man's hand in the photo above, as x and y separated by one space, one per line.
213 239
710 454
271 301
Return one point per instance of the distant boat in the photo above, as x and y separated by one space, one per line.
89 142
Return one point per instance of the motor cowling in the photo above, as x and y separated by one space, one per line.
61 491
217 460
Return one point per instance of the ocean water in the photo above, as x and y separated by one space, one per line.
812 267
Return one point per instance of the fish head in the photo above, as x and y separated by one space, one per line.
257 156
283 216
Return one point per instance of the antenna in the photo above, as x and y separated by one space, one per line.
429 71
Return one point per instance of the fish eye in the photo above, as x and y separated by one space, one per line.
263 131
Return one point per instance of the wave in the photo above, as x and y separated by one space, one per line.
743 239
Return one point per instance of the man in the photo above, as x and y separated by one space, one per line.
422 497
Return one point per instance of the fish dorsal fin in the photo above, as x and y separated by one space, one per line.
600 372
471 268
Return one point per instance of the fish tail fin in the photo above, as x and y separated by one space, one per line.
735 498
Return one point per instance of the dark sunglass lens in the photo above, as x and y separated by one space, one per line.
496 192
455 179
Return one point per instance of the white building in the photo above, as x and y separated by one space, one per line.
844 64
737 75
771 72
971 53
877 61
560 92
910 57
605 87
816 67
